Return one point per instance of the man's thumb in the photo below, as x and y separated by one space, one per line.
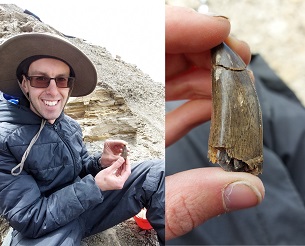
205 193
117 164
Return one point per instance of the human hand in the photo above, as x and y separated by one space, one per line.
114 176
205 193
112 152
189 38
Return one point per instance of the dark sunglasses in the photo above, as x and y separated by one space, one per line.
44 81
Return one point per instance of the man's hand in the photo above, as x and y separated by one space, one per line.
112 152
189 36
194 196
114 176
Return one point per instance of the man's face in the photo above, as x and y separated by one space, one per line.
47 102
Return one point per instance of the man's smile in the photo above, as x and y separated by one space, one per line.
50 103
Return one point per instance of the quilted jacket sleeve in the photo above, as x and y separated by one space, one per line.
34 214
91 163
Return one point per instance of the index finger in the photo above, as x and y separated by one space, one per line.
189 36
187 31
116 142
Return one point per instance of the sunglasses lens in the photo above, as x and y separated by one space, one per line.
62 82
40 81
44 81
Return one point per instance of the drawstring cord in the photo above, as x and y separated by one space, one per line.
25 155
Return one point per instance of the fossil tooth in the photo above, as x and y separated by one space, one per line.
124 153
236 132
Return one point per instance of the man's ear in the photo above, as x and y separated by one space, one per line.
24 84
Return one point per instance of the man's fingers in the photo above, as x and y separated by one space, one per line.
117 164
188 31
126 170
115 142
182 119
189 36
240 47
114 146
195 84
205 193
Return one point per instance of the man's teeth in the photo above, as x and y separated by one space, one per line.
50 103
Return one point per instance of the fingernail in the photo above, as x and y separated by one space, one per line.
214 15
239 195
204 9
217 15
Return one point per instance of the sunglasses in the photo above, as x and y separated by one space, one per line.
44 81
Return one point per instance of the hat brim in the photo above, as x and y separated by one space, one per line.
17 48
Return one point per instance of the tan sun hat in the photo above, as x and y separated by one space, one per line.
17 48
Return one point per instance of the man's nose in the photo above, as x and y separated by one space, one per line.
52 88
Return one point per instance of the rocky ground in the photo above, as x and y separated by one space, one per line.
127 104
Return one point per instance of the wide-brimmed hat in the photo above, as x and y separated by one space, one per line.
17 48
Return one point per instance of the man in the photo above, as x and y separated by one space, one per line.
51 191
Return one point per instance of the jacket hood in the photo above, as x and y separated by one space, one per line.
17 114
20 115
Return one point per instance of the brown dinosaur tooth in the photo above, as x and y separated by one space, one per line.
124 153
236 135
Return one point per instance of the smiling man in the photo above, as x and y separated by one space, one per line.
47 85
52 191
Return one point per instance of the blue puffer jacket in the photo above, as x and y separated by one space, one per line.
58 170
